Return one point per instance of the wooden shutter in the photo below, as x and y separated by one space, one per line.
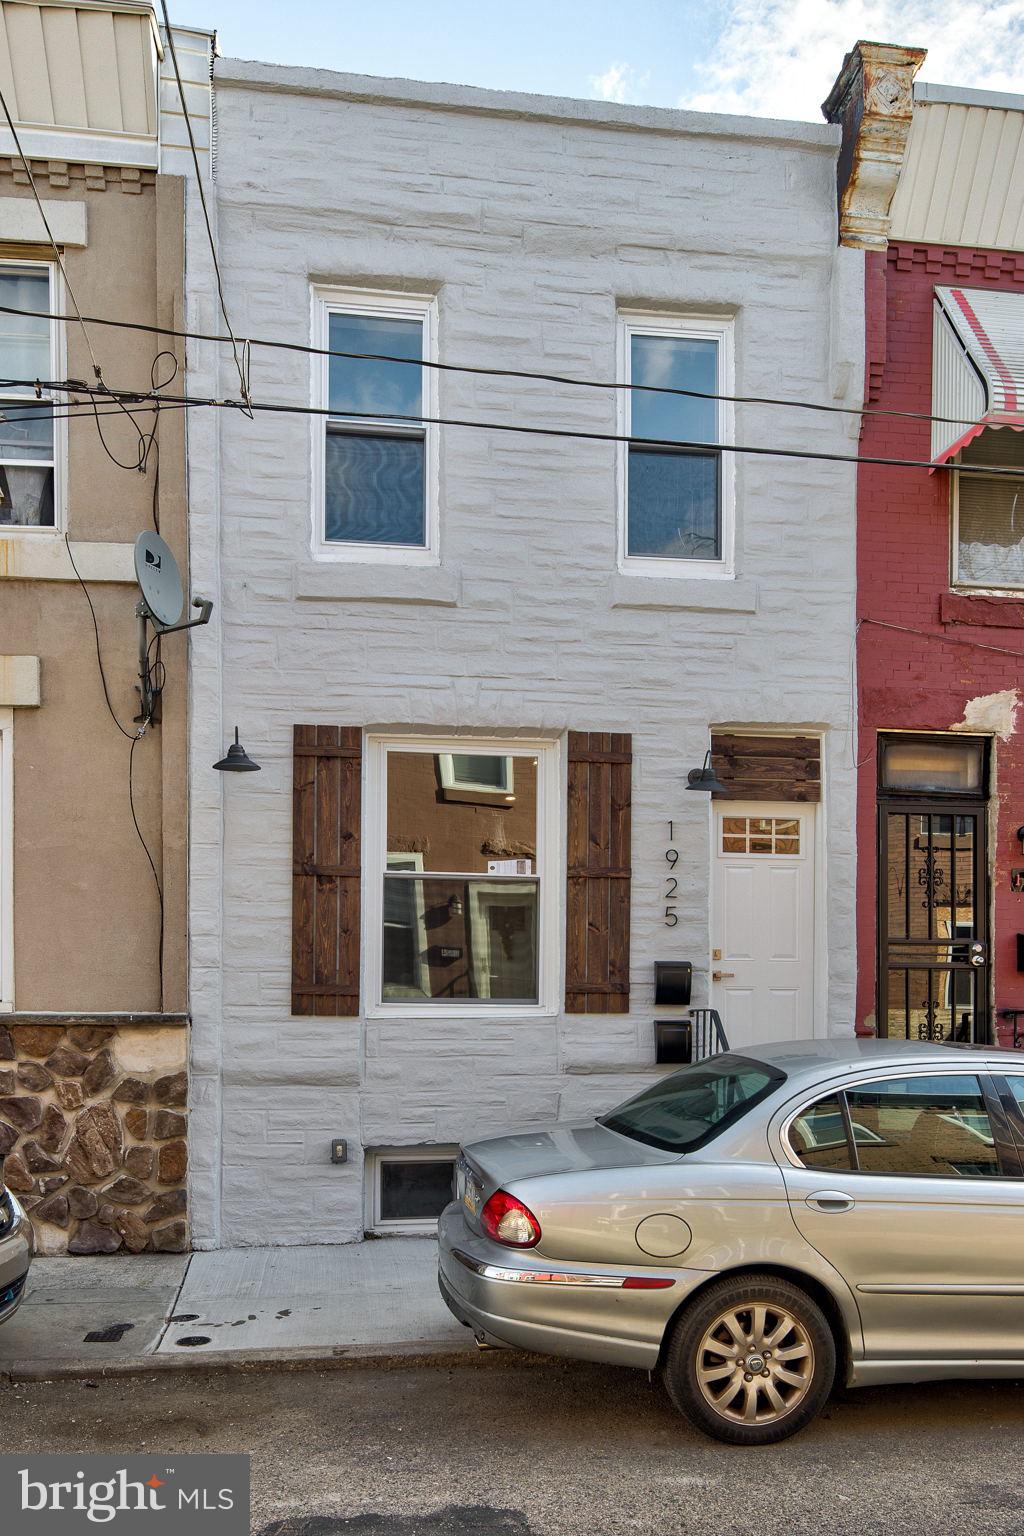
327 764
598 852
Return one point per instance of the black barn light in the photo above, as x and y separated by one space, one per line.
705 778
237 759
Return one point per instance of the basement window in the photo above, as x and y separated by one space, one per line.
988 514
409 1187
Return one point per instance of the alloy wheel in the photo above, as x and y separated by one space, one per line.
755 1364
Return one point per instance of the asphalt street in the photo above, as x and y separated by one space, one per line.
505 1448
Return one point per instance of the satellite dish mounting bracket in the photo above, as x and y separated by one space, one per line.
148 695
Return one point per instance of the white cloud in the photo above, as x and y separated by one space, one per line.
620 82
778 58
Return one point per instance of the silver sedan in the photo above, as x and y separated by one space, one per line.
758 1225
16 1248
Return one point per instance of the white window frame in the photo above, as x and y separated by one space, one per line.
374 1159
449 780
702 328
6 860
956 580
550 867
405 306
58 370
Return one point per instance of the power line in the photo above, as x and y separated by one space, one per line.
504 373
202 199
576 434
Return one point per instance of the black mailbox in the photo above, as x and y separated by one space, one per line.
673 1041
673 981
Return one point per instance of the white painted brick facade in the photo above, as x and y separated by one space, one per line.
532 219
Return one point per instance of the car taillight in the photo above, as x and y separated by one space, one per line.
508 1221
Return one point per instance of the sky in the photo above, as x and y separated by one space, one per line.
769 58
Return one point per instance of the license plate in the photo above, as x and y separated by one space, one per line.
467 1187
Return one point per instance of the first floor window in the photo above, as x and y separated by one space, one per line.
28 351
376 454
989 513
675 498
461 870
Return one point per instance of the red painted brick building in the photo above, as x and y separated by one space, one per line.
940 640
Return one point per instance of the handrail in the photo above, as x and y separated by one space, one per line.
709 1037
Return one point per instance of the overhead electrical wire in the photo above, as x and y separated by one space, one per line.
242 379
483 371
574 433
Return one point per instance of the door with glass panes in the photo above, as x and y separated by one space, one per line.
933 952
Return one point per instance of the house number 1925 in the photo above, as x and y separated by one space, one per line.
671 883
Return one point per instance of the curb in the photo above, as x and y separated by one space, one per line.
436 1355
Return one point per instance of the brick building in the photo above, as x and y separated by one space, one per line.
940 582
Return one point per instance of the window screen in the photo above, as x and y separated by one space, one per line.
414 1190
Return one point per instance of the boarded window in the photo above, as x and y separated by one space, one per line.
598 882
325 869
767 767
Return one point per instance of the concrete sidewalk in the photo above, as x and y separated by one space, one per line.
242 1307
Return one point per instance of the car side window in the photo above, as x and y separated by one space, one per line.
818 1136
923 1126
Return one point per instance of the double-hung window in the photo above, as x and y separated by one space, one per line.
28 352
676 502
460 883
376 498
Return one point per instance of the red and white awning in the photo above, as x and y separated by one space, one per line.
977 366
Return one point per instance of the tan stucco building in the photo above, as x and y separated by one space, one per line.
93 984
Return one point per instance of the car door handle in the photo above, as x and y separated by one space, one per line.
830 1202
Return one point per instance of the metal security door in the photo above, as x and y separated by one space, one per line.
933 963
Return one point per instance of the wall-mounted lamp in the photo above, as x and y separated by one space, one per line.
705 778
237 759
455 906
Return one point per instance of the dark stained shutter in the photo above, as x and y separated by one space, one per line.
327 763
598 878
767 767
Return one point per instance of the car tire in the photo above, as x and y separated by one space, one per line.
751 1361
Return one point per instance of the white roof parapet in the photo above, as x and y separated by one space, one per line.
977 366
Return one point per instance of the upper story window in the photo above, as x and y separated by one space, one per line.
676 504
28 350
461 882
375 495
988 514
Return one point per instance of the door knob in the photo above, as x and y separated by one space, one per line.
722 975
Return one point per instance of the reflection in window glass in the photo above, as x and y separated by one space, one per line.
375 480
818 1136
674 497
462 881
940 763
760 834
929 1127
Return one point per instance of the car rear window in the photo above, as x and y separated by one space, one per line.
684 1111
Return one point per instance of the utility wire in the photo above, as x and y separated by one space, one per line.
576 434
202 198
506 373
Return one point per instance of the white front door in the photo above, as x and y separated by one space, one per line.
762 930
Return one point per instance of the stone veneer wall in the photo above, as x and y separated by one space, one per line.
93 1133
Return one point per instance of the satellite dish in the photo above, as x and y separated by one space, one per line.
156 572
